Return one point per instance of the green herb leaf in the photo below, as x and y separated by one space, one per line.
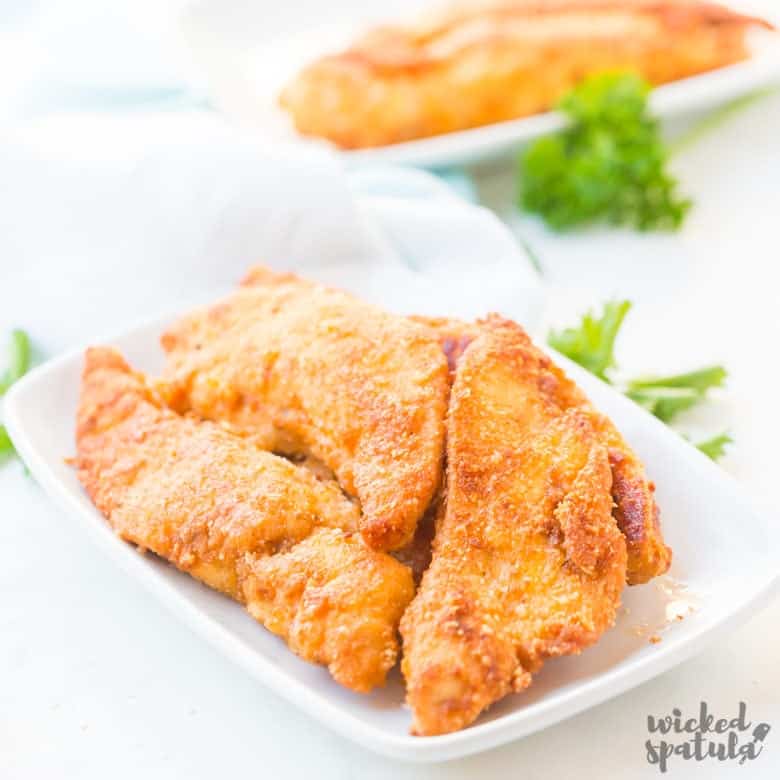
592 343
701 380
18 365
609 164
665 402
18 359
716 446
6 445
667 396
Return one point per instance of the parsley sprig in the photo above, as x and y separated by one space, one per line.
715 447
591 344
18 360
6 445
18 363
609 164
667 396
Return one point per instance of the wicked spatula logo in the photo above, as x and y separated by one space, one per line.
704 737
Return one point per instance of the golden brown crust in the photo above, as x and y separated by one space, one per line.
309 368
213 504
488 62
528 562
454 336
334 601
636 511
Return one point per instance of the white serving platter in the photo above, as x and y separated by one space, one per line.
726 562
245 82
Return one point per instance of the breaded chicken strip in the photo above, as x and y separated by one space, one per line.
635 508
335 601
217 507
528 562
307 368
482 62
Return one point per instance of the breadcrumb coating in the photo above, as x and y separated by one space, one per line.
635 508
240 520
307 368
528 561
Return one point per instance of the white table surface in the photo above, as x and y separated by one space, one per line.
98 680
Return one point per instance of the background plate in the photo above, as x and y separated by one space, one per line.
245 80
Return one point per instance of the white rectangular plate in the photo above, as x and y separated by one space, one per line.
246 82
724 551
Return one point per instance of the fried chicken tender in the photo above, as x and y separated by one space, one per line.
224 511
306 368
477 63
528 561
635 509
335 602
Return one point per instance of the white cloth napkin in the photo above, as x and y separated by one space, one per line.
105 220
